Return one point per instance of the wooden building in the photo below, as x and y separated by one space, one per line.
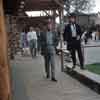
14 9
84 19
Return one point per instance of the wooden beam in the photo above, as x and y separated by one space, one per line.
60 3
46 13
40 5
54 20
4 73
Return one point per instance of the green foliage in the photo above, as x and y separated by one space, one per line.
79 5
95 68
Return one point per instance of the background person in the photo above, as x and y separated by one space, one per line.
38 39
23 42
32 41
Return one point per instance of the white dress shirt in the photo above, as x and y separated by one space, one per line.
73 29
31 35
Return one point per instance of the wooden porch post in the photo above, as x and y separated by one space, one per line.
61 38
54 20
4 73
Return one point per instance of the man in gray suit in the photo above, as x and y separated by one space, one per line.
49 41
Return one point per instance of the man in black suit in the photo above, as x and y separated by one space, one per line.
72 35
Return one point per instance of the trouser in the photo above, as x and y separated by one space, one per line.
31 51
38 45
33 46
21 51
76 47
50 61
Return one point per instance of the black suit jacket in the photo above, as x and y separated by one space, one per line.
68 32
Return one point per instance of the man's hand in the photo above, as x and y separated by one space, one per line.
78 37
64 42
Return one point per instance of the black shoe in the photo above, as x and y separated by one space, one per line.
32 56
47 76
54 80
73 67
82 68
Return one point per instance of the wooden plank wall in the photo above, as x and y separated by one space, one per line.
4 73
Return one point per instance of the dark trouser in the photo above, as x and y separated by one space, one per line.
31 51
76 47
46 65
38 45
22 51
50 60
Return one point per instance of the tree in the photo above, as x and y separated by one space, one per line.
78 5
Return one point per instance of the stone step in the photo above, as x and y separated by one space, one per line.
84 76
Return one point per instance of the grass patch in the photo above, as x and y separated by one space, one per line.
95 68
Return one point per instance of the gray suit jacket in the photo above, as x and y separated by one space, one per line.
43 42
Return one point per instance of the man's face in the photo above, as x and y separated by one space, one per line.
31 29
72 19
49 26
44 28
